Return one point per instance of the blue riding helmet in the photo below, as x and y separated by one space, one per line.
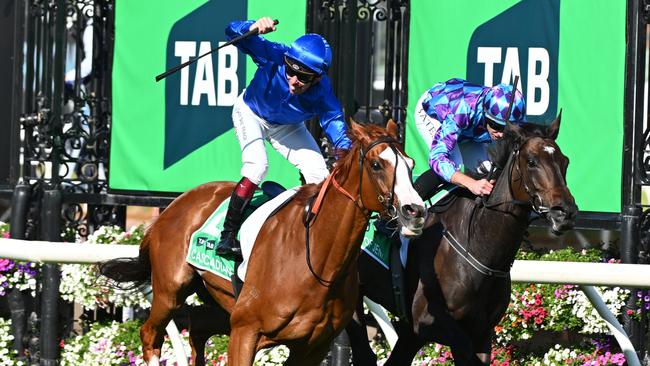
312 51
497 101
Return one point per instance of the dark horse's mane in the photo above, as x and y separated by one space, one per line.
511 140
344 164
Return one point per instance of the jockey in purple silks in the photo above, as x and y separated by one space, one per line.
458 120
290 86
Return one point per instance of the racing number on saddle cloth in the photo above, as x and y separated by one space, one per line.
199 98
202 254
496 54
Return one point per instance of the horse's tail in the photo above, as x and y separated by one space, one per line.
136 271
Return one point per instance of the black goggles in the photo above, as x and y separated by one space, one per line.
494 125
303 77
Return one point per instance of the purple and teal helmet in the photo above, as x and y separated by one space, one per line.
497 101
311 51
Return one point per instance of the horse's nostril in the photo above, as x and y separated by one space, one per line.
412 210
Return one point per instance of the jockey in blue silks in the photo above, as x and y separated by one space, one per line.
457 120
290 86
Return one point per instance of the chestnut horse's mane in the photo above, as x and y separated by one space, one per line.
344 164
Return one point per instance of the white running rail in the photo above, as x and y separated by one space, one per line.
586 275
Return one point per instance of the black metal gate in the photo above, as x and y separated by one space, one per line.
370 55
64 103
635 215
63 97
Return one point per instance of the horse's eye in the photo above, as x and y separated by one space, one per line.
531 163
375 166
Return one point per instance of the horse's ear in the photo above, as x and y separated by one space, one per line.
357 130
554 128
392 128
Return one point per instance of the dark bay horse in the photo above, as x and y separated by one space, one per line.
457 275
301 285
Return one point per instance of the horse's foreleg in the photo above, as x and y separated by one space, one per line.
206 321
407 346
362 354
484 348
243 345
311 357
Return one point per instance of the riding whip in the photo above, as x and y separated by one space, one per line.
234 40
512 98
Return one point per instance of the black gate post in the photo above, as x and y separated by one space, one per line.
341 350
50 231
19 207
633 126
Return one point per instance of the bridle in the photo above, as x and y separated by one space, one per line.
386 201
535 199
534 202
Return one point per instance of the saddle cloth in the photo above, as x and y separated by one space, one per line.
377 245
201 253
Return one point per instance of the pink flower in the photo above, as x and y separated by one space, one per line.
5 235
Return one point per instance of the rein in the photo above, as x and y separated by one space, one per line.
387 202
463 251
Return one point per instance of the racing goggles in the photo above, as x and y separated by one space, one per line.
494 125
303 74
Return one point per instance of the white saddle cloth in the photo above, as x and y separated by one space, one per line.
251 227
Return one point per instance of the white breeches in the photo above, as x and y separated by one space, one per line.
293 142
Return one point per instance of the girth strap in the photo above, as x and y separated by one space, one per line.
465 254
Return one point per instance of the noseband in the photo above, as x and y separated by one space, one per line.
535 199
386 201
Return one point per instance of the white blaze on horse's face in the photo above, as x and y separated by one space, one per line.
549 149
404 191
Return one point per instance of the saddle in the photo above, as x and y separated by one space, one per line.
201 253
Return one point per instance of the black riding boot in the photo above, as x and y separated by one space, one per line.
229 245
427 184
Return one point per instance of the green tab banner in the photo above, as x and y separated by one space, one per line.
568 55
176 134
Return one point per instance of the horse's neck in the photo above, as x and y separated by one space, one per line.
502 195
342 224
492 234
492 237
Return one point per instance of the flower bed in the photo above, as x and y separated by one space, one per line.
119 344
14 275
544 325
82 283
7 354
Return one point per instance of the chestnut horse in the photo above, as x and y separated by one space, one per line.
301 284
457 275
